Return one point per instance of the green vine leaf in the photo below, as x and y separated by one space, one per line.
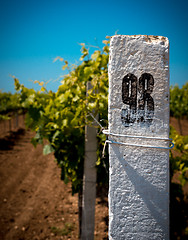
48 149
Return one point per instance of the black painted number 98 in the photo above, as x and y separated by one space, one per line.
145 110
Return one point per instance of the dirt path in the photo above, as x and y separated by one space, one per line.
34 202
180 126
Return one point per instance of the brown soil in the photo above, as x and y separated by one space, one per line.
181 126
34 203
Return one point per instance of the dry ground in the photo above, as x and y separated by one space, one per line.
34 203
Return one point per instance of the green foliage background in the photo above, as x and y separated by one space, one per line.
179 101
61 117
9 103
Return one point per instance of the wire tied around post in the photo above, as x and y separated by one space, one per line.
107 133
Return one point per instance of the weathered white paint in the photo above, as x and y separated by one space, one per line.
139 177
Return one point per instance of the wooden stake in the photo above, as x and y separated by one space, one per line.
89 183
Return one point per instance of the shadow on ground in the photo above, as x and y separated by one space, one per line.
7 142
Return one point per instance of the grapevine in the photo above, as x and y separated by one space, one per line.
61 117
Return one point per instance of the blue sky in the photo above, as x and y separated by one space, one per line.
33 33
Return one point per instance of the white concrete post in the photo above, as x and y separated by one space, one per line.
89 182
139 106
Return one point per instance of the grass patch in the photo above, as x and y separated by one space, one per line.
66 230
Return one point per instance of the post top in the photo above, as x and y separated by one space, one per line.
146 38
